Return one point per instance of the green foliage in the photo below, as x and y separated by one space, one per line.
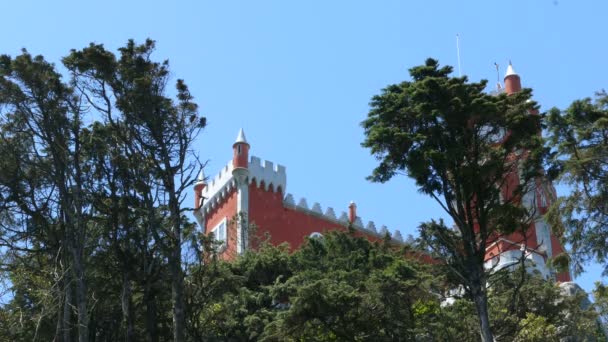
524 307
600 298
92 221
94 174
536 329
462 146
343 288
579 141
335 288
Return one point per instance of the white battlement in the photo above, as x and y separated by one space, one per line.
218 187
273 176
219 180
265 171
342 219
514 258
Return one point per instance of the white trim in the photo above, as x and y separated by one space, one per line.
242 209
315 235
520 244
218 236
241 177
543 236
269 173
214 188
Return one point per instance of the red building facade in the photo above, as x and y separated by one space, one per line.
245 203
537 244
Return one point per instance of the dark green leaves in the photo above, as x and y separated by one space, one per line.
338 288
462 146
579 142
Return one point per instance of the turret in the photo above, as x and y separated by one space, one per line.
198 190
240 147
512 80
352 212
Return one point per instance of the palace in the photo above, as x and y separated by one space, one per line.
250 192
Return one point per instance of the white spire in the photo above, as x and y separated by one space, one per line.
241 137
201 176
510 70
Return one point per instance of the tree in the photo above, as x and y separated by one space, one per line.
130 94
335 288
524 309
460 145
94 173
600 298
128 247
578 137
44 187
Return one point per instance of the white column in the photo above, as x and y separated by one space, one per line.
242 208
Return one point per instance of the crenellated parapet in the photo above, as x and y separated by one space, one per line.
330 215
260 172
267 173
218 188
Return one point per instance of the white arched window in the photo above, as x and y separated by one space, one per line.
316 235
220 231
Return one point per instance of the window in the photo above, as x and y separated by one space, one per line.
316 235
220 232
238 149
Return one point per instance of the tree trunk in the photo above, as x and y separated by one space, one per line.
480 297
149 299
67 310
60 307
148 271
175 259
127 307
81 299
177 294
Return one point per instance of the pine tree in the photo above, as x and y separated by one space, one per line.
460 145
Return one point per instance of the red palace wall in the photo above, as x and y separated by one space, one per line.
226 209
283 224
282 221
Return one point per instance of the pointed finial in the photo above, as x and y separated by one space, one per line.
241 137
510 70
201 176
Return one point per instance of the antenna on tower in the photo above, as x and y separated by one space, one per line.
458 54
498 89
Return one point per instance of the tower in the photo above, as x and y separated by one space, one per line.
240 173
512 80
240 158
538 244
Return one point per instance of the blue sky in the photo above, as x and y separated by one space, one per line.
298 75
